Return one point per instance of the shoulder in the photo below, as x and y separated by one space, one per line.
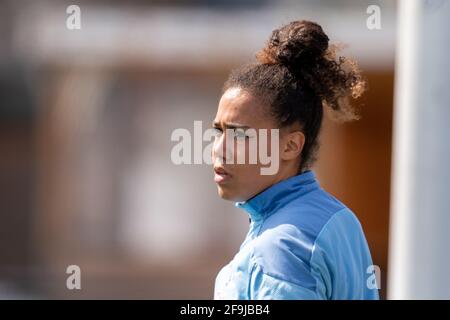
342 258
299 224
309 213
286 241
289 238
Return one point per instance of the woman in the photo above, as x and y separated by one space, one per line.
302 242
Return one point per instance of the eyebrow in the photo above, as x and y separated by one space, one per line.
231 125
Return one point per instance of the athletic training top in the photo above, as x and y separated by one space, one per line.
302 244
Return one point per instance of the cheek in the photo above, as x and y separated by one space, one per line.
248 176
247 151
216 149
241 152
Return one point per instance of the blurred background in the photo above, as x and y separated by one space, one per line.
86 118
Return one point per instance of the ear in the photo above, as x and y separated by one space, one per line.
292 145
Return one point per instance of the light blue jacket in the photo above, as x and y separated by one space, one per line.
302 244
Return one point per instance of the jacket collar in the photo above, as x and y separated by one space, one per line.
268 201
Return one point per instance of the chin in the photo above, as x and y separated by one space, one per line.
229 195
226 194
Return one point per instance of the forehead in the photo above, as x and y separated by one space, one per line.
239 106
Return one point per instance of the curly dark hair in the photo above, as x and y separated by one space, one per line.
297 73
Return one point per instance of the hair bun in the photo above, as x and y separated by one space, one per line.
297 44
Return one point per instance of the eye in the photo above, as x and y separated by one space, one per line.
217 131
240 134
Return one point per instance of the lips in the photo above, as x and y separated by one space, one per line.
221 175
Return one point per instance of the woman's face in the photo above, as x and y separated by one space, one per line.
238 109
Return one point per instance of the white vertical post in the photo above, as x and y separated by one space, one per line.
419 255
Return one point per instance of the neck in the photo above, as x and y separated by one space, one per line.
287 171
